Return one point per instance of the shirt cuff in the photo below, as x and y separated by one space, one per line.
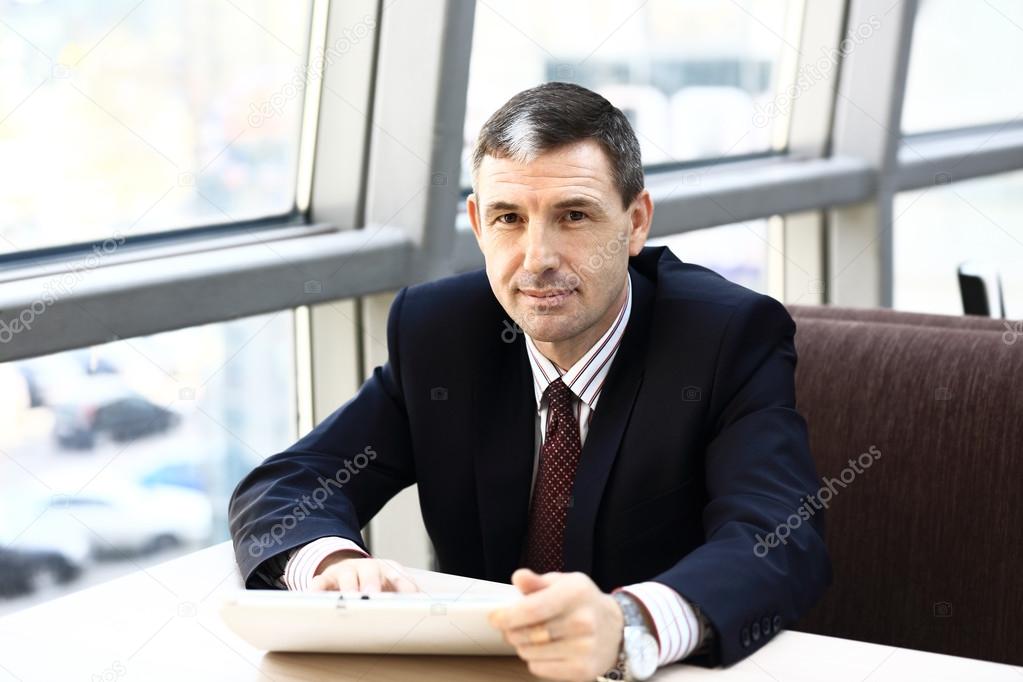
301 566
675 623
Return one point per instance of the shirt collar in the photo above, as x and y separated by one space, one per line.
586 377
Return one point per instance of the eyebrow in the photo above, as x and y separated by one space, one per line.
494 206
580 202
571 202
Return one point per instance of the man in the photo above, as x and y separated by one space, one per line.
608 427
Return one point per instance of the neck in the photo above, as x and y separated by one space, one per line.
567 352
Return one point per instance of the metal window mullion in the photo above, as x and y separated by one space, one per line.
413 181
924 161
868 116
417 133
338 181
85 306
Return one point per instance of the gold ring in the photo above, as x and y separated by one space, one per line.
539 635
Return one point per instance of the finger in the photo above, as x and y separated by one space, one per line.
392 567
323 583
560 650
571 625
538 607
346 578
398 581
369 575
528 581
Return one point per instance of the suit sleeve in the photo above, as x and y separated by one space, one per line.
758 474
333 480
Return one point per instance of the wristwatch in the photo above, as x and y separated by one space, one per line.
637 659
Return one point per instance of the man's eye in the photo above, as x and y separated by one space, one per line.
576 216
508 218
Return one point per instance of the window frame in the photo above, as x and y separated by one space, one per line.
390 223
382 210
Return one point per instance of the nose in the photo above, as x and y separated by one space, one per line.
541 252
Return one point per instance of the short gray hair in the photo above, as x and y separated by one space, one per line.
552 115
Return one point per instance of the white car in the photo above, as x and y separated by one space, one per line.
130 519
38 549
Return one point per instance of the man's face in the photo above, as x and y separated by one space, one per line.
556 238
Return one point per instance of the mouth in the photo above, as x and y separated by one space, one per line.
547 298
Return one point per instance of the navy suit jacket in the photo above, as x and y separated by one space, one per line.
695 453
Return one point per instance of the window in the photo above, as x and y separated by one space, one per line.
738 252
122 118
964 65
694 78
124 454
939 228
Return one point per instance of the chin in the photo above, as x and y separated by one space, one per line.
549 330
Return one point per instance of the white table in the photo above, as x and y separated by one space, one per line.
162 624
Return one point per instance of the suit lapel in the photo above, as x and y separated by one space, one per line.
505 410
605 434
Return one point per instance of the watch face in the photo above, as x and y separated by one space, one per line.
641 653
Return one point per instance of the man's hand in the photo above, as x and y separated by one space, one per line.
565 628
350 571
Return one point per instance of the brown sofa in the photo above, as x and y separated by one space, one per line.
926 538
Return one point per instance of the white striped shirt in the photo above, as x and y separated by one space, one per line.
676 626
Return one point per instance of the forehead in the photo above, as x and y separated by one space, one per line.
581 167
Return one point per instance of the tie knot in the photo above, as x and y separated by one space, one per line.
557 393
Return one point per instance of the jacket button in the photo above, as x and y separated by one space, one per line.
777 623
765 625
744 638
755 630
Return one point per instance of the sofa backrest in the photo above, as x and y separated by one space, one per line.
926 533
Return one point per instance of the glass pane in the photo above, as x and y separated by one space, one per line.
123 455
121 118
737 252
964 67
692 75
979 222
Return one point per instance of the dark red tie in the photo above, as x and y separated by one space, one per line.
552 492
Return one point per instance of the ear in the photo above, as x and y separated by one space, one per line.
472 207
641 215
